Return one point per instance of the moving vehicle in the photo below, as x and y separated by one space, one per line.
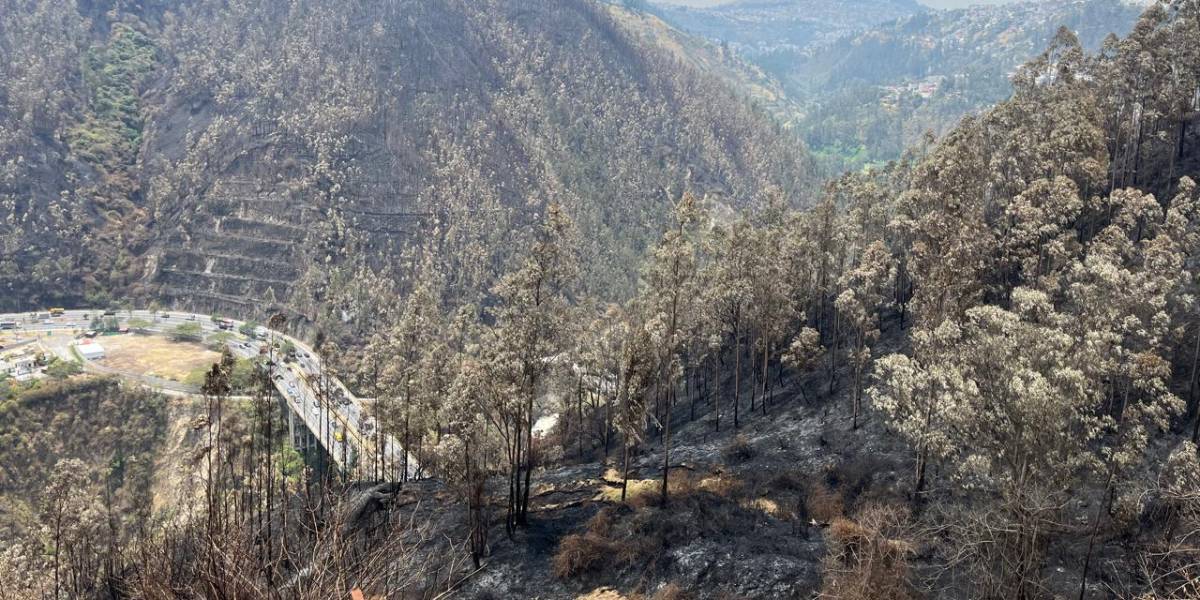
8 324
57 312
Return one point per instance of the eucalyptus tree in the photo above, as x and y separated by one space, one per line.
531 319
772 307
804 353
670 296
1014 415
865 293
636 375
466 453
730 291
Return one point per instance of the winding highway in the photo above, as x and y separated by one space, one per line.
337 419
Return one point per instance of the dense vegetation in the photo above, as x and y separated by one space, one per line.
970 373
864 81
259 156
1035 269
82 446
870 96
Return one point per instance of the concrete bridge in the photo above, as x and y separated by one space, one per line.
322 412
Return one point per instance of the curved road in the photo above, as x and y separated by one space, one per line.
297 382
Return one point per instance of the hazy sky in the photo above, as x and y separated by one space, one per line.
959 3
933 3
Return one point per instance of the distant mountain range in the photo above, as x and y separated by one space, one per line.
865 79
763 27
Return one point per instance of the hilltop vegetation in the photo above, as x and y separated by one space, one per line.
869 96
759 28
992 337
94 438
865 81
969 373
257 157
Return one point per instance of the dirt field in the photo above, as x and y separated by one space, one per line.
8 338
154 355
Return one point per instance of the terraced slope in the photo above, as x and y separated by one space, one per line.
306 156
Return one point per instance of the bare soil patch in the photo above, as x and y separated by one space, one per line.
155 356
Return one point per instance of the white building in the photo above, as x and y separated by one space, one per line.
17 365
91 351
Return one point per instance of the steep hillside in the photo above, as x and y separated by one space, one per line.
70 215
257 156
869 96
710 57
865 80
104 439
970 374
758 28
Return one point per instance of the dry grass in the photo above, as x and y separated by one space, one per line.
636 533
635 488
671 591
641 493
602 593
868 556
825 504
155 356
582 553
769 507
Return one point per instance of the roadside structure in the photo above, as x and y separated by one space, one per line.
90 351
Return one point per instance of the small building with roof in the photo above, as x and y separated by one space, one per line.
90 351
